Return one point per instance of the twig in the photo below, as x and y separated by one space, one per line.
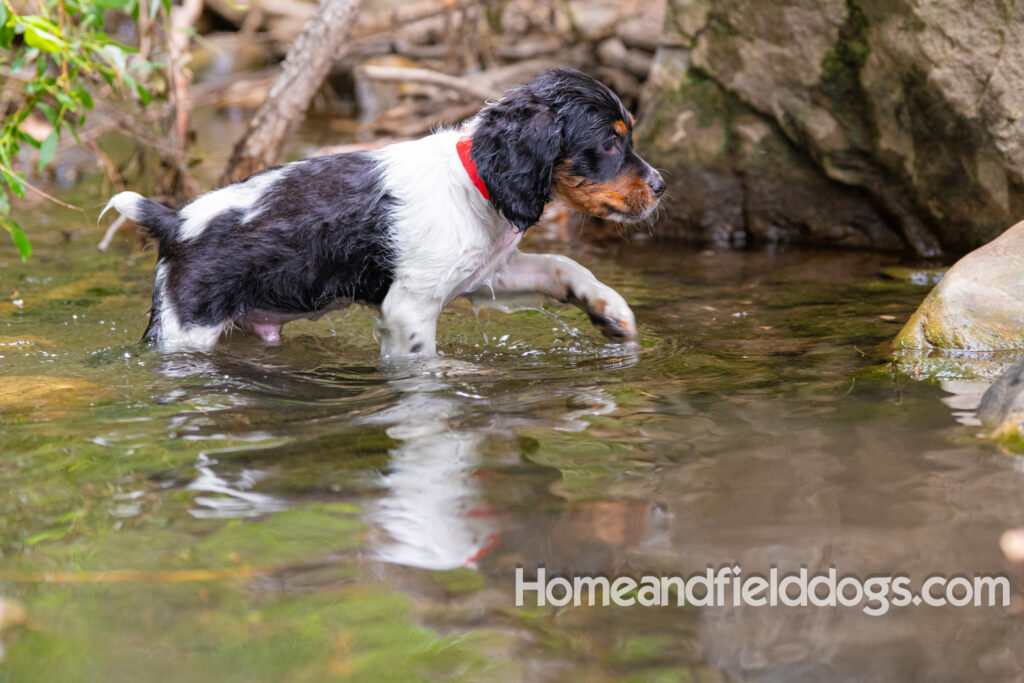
411 14
108 237
398 74
303 72
183 17
41 192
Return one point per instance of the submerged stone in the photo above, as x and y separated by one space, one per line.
1002 406
45 397
925 277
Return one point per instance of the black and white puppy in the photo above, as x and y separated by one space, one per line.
408 227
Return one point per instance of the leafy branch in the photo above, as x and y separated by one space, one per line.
49 60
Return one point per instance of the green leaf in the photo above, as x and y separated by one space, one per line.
19 134
38 21
52 534
47 150
18 237
6 36
66 101
44 40
84 97
92 16
112 4
49 112
14 182
144 95
3 14
127 48
5 204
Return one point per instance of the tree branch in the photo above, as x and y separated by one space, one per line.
304 70
400 74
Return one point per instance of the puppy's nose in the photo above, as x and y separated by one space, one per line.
657 185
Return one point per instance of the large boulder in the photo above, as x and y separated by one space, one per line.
857 123
978 305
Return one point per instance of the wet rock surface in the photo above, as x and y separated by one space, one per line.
1002 406
979 303
886 125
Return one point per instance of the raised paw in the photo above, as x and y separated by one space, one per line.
612 316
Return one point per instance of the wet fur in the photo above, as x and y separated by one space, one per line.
403 227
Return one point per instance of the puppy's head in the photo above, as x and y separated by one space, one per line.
567 135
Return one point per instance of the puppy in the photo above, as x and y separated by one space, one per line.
408 227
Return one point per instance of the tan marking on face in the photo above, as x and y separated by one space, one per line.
628 193
620 127
632 121
599 306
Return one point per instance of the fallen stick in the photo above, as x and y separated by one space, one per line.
398 74
108 237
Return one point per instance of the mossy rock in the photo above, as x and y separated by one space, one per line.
45 397
978 305
922 139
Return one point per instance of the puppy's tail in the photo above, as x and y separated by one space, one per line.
158 219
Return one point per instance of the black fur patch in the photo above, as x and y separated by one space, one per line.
563 114
160 221
152 332
515 148
322 232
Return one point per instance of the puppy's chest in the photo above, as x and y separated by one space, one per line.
482 263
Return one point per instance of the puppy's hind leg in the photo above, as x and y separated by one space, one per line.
191 338
169 329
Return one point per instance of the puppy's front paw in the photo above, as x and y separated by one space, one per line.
612 316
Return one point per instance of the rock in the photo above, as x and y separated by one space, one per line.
926 277
12 613
735 178
953 365
41 397
907 111
1001 408
978 305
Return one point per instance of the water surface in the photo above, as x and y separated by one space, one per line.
304 513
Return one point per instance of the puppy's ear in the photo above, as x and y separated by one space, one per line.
515 146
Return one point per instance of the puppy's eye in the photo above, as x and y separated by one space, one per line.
611 144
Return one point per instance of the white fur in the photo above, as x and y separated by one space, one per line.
198 213
126 204
556 276
448 241
451 242
174 336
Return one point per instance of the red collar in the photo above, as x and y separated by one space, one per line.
463 146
